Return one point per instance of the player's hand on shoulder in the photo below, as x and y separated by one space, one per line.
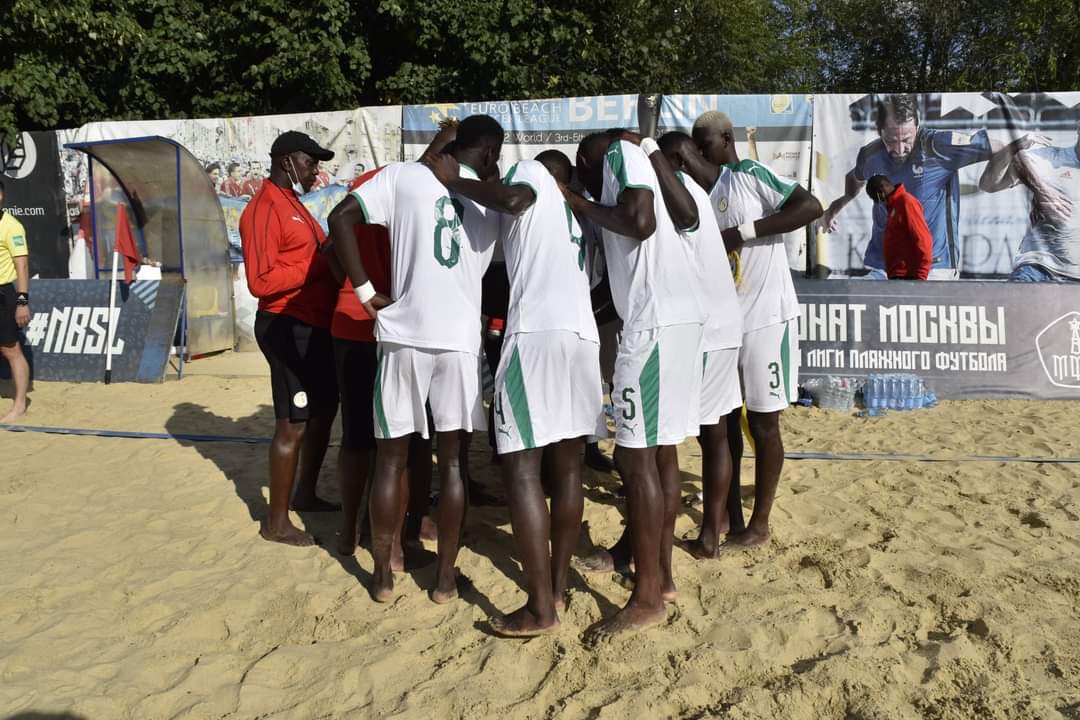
444 167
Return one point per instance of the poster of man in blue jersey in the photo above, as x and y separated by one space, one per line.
997 174
927 161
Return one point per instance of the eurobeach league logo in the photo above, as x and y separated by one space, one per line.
1059 350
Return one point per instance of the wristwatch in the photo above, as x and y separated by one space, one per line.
22 298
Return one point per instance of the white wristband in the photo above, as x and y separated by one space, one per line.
649 145
365 292
747 230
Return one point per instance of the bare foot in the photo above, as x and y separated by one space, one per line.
668 593
314 504
14 414
522 623
600 561
631 617
290 535
699 549
382 586
560 604
749 537
446 589
397 558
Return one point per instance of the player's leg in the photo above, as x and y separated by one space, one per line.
532 535
419 488
319 376
770 376
667 468
567 508
276 339
736 522
20 379
457 409
402 381
355 364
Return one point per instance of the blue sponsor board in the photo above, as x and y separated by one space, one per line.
966 340
68 331
775 117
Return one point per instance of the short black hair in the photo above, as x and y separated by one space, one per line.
595 138
477 130
673 140
873 186
901 108
558 164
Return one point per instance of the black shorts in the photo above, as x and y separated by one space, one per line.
301 359
356 362
9 331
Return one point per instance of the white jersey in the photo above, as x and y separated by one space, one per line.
440 245
653 282
723 314
545 259
747 191
1054 243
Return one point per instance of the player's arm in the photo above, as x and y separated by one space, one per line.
922 240
1001 172
266 275
345 215
680 203
447 134
509 199
632 217
22 286
799 210
852 187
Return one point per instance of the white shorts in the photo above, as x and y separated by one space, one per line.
547 389
657 395
408 378
720 392
769 362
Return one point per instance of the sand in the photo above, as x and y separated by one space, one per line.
135 585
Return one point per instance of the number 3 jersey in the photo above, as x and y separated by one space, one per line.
440 246
545 259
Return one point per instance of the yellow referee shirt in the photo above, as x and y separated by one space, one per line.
12 245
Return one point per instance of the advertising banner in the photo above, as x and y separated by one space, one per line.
993 340
774 130
34 195
68 332
531 126
997 175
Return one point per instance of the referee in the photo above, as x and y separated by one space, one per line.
14 305
282 245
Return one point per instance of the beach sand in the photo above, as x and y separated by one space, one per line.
135 584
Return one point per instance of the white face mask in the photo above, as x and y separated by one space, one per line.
295 180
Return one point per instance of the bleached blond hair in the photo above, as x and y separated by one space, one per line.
712 121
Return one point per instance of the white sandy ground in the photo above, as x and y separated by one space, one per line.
135 585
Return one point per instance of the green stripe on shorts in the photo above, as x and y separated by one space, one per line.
785 360
380 413
649 381
519 400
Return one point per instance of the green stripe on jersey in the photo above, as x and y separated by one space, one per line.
766 177
519 400
649 382
785 361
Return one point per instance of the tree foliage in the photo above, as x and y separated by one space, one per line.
67 62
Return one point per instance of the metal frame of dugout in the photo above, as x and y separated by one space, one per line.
176 218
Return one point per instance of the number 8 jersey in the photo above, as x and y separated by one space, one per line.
440 246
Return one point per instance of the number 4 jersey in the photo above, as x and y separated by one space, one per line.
545 259
440 246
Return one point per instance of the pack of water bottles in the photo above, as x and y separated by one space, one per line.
832 392
896 391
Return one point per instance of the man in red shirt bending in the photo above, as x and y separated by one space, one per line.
282 245
908 244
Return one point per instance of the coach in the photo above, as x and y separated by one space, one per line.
282 245
14 305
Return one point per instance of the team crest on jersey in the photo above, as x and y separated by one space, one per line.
722 205
917 170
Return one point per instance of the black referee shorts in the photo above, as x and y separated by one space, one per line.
9 331
301 359
356 362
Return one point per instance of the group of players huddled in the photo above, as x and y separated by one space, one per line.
402 271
